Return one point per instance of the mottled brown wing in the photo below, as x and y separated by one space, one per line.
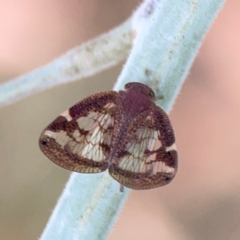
149 159
79 139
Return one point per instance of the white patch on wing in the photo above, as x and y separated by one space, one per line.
137 160
60 137
146 139
172 147
87 123
96 124
48 133
78 137
130 163
106 121
93 150
97 136
161 166
66 115
156 142
93 119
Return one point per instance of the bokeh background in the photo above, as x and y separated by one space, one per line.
203 201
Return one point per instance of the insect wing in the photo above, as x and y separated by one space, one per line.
150 157
79 139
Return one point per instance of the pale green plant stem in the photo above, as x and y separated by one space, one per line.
86 60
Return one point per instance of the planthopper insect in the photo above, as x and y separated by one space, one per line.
124 132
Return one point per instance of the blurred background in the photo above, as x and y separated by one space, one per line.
203 201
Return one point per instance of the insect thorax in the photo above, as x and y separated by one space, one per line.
134 103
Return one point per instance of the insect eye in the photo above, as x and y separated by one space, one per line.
128 85
151 94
